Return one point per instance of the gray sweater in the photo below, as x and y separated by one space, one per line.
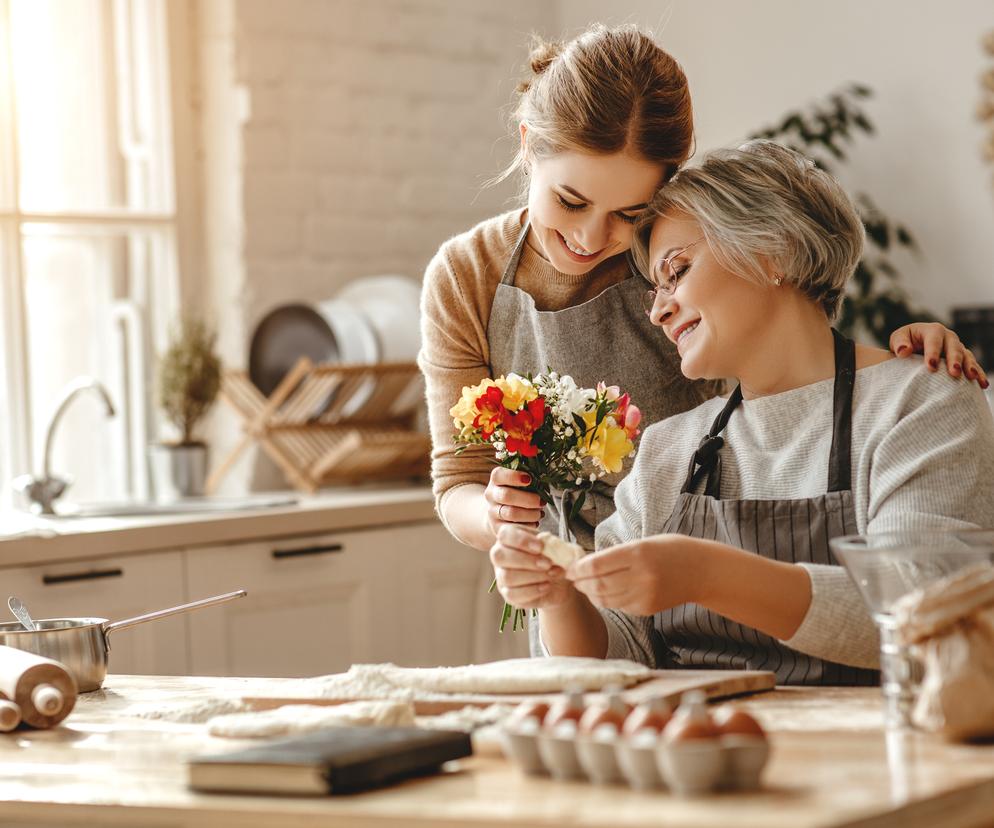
922 458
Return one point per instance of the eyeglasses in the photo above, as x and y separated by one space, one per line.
669 277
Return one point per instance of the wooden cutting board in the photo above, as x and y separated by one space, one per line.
670 684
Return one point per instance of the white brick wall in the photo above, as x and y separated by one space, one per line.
371 126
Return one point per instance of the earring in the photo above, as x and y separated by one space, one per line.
778 281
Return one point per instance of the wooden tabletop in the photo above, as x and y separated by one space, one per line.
832 764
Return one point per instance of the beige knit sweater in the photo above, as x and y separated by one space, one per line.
458 293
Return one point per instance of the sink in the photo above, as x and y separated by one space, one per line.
186 506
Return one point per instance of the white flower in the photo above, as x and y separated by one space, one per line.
593 477
574 399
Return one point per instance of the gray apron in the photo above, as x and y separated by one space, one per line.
606 339
793 531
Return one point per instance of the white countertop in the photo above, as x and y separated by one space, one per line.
27 539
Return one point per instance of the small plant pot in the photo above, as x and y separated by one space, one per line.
178 471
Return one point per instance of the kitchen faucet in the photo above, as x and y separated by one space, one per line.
44 491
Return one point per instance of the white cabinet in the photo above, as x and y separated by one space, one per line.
114 588
318 604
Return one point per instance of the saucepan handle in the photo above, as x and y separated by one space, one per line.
152 616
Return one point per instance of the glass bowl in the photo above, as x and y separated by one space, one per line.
887 566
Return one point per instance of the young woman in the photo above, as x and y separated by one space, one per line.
604 121
718 553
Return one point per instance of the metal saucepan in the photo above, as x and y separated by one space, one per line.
81 644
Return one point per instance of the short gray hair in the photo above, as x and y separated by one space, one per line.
760 202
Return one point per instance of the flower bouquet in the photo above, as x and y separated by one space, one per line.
565 437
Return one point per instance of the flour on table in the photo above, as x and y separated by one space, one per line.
467 718
186 712
301 718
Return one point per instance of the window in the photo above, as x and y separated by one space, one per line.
88 257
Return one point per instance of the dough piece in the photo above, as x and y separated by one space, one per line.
561 553
302 718
516 675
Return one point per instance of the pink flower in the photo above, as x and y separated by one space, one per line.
628 416
610 392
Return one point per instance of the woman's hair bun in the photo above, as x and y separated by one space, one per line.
542 54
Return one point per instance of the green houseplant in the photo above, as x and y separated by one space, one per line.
188 382
876 302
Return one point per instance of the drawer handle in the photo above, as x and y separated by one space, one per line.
308 550
49 580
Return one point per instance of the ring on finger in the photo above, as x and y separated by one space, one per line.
500 511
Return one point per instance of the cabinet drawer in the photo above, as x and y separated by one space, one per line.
318 604
115 588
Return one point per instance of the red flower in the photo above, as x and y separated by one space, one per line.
521 426
491 408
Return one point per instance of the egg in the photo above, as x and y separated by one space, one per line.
691 721
733 721
566 708
651 715
528 711
601 716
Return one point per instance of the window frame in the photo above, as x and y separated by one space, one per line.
142 43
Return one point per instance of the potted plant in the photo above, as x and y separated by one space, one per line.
189 378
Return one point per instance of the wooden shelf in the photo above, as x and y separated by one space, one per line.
327 423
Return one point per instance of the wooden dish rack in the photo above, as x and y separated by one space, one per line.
318 429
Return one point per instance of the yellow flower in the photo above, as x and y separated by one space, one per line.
464 412
517 391
609 445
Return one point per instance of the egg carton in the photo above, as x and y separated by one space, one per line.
644 761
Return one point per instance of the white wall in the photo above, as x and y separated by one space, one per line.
749 62
370 129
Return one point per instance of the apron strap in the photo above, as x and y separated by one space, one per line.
507 278
840 458
707 459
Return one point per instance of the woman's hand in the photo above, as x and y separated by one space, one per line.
525 577
507 503
933 340
642 577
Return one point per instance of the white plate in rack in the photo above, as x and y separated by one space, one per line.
391 304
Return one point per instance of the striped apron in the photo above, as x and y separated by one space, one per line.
793 531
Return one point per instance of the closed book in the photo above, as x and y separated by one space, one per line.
332 760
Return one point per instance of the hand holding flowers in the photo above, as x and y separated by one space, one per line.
563 437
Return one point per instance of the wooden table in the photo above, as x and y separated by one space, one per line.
832 765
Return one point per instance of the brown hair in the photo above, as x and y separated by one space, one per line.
605 91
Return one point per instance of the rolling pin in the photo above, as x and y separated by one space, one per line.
43 689
10 714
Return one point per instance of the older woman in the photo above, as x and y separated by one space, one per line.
717 555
